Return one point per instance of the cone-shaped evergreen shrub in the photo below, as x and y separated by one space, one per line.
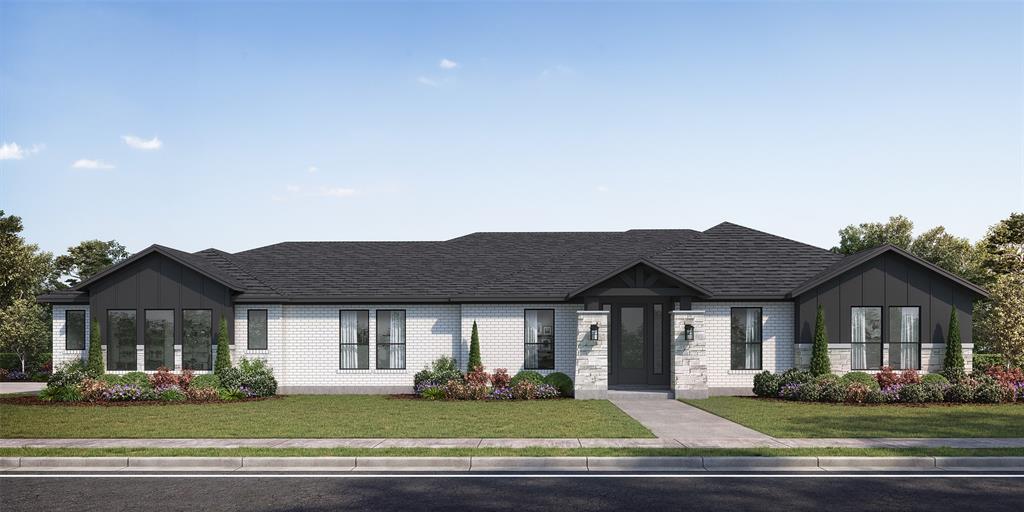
223 351
820 364
94 364
474 350
954 361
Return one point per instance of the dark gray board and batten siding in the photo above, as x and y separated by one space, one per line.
158 282
887 280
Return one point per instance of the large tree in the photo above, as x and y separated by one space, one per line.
999 322
87 258
899 231
23 267
24 329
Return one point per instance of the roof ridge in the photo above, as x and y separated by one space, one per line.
723 223
226 256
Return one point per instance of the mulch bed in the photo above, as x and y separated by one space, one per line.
849 404
35 400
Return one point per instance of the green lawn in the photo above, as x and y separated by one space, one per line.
318 416
796 419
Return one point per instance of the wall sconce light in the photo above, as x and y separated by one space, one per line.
688 332
593 332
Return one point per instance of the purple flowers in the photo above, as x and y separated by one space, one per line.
892 393
123 393
790 391
545 391
504 393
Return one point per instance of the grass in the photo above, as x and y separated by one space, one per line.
798 419
319 416
511 452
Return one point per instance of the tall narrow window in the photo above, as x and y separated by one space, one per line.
540 339
354 340
257 338
390 339
866 338
746 339
905 337
159 339
122 339
74 329
196 339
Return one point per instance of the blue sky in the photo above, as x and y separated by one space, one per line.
237 125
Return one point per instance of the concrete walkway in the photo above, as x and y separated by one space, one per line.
21 387
690 426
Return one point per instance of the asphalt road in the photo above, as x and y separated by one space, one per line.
507 493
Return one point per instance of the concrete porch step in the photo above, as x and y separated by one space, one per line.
640 394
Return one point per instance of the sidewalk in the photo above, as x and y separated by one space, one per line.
517 443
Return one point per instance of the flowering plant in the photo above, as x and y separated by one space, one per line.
545 391
123 393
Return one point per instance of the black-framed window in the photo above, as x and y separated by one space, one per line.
257 337
905 337
197 339
74 329
354 340
745 338
122 340
866 337
390 339
158 338
539 339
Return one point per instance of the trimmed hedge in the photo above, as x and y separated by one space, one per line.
561 382
904 387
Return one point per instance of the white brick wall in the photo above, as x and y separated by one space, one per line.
776 349
502 332
60 355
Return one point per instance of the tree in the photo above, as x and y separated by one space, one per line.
999 324
223 355
820 364
1004 248
952 253
898 231
95 361
23 329
474 350
953 365
88 258
23 267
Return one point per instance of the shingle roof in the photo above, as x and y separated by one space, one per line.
726 261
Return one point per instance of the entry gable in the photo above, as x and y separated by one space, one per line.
640 274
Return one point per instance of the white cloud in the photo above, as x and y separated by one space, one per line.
602 188
336 192
140 143
11 152
429 82
448 64
312 169
91 164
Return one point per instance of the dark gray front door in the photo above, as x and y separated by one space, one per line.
639 344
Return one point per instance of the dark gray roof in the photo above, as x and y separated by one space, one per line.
726 261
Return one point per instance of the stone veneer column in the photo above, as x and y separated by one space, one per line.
689 358
591 379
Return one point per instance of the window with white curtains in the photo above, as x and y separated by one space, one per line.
390 339
354 340
746 339
539 340
905 337
866 337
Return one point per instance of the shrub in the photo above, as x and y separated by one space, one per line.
790 391
124 393
954 375
891 394
934 378
3 374
767 384
185 379
910 376
820 364
474 350
17 375
861 378
810 392
476 391
561 382
478 377
502 393
833 391
857 392
913 394
982 362
60 394
202 394
95 355
230 378
528 375
111 379
524 389
961 392
794 376
874 396
67 375
223 361
989 393
954 360
256 377
432 391
500 378
93 389
1005 377
10 361
169 393
139 379
935 390
887 378
456 390
443 369
230 394
163 378
205 381
545 391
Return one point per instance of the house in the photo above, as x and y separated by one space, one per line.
695 312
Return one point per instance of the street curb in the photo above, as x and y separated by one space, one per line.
513 464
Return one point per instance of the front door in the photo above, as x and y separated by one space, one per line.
639 344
